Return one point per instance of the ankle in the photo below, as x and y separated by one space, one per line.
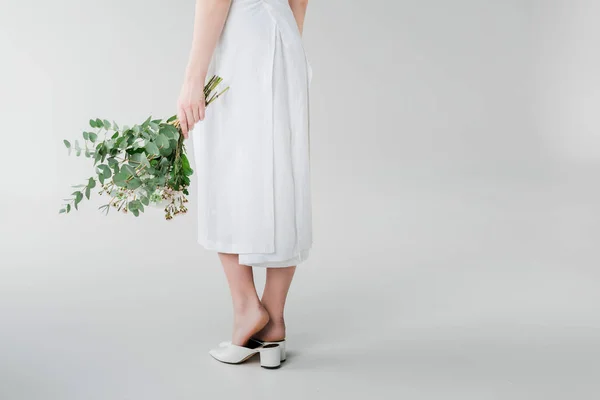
247 321
276 321
273 331
275 310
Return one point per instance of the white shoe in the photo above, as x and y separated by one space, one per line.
281 344
270 354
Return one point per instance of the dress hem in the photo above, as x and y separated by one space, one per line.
228 248
233 248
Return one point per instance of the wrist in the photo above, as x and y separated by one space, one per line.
194 75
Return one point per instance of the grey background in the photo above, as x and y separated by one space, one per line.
455 153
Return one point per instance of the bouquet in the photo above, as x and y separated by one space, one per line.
137 166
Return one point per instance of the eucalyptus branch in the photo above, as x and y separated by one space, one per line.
138 166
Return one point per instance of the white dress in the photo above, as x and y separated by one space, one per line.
252 159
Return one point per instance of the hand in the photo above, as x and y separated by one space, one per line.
191 105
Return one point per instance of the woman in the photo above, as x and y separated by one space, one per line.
252 159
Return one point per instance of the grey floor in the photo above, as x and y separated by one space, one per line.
464 285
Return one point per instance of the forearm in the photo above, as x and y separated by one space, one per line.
209 20
299 9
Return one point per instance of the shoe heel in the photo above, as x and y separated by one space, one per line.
283 353
270 356
282 346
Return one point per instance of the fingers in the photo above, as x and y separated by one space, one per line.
187 118
189 115
202 111
191 121
195 113
183 123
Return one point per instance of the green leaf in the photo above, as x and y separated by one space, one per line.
62 211
78 152
135 205
173 118
115 126
152 149
120 179
185 166
87 153
78 198
146 164
99 123
128 169
162 141
115 135
145 200
68 208
146 122
139 143
106 124
109 144
137 157
134 184
169 131
136 129
85 135
131 137
92 183
160 181
121 176
93 123
67 143
112 162
92 136
104 171
165 132
185 162
77 145
87 192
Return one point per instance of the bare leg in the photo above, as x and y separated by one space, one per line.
249 315
276 290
